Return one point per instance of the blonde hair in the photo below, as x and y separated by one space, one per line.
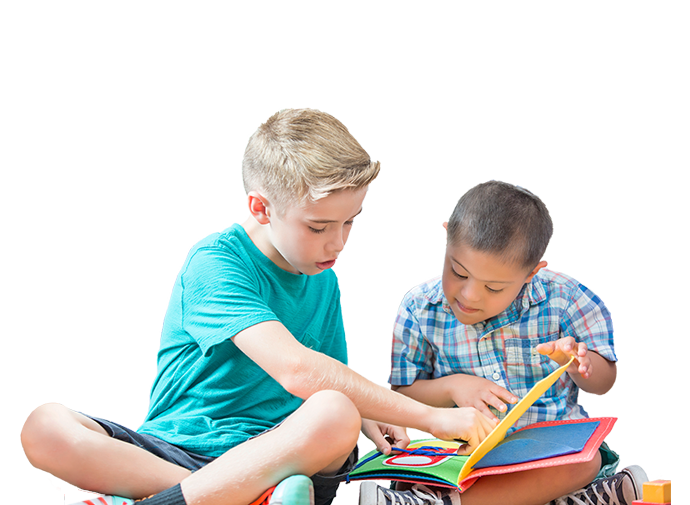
303 155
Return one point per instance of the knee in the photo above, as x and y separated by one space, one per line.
580 475
42 435
337 418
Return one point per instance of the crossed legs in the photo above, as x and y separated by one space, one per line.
317 438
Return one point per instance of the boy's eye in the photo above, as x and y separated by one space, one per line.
464 277
458 275
349 223
315 230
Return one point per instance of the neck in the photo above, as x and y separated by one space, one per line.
259 234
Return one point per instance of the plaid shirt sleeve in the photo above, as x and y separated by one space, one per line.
587 319
412 356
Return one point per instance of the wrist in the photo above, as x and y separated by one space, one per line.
421 417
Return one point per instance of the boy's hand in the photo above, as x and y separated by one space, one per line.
562 349
480 393
465 423
384 434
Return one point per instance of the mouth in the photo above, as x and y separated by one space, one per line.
466 310
326 264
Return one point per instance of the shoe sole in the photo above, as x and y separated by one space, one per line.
638 476
368 493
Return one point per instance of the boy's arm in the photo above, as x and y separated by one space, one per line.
586 333
460 390
303 372
590 371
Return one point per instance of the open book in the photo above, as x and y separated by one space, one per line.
543 444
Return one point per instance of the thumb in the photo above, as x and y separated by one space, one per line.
545 348
465 450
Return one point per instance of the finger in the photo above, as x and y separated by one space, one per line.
402 442
380 441
585 368
492 401
484 409
482 427
545 348
568 344
504 395
397 436
465 450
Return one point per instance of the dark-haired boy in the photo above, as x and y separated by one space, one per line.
494 324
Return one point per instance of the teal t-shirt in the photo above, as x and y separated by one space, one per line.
208 396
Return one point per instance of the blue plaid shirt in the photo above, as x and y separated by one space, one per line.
429 342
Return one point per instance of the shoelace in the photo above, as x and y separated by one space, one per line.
427 494
419 495
610 491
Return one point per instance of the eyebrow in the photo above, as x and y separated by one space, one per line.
326 221
488 282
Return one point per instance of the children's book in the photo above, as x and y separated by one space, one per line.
549 443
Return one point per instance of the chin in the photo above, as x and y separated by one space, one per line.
467 319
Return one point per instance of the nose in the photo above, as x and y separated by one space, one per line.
338 239
471 291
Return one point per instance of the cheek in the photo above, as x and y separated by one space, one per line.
346 233
449 286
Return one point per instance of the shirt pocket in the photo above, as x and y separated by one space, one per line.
310 341
525 366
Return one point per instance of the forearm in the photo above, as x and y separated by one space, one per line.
303 372
313 372
601 378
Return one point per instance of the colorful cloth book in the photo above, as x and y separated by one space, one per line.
549 443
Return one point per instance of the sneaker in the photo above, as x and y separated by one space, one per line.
295 490
621 489
372 494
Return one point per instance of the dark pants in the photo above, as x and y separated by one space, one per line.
325 487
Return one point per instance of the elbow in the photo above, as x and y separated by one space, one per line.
613 373
604 386
295 377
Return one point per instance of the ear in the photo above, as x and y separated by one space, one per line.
445 225
539 266
259 207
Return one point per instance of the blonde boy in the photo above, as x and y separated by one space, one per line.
495 323
252 387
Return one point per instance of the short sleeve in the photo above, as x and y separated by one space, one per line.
587 319
220 297
412 356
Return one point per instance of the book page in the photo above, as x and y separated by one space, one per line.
499 432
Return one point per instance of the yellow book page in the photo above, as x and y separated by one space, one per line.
499 432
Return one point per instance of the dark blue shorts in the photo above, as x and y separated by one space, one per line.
325 487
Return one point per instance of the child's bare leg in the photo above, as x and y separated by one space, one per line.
317 438
533 487
78 450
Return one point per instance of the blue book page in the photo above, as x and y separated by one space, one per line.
533 444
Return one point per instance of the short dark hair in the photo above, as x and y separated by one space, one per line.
502 219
